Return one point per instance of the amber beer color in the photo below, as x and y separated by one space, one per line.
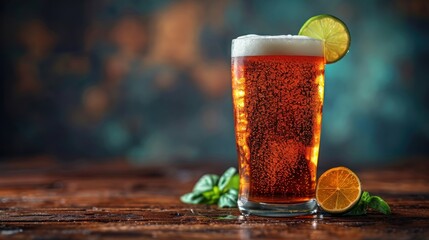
278 85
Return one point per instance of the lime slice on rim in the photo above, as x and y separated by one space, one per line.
332 31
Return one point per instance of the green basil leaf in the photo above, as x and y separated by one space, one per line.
211 197
210 189
226 178
377 203
228 199
192 198
206 183
365 197
234 183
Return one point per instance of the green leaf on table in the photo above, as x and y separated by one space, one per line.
212 196
226 178
377 203
228 199
210 189
234 183
365 196
192 198
206 183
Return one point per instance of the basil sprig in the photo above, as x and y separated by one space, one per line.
212 189
367 201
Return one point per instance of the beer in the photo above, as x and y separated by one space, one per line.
278 85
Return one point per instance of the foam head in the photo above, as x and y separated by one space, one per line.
293 45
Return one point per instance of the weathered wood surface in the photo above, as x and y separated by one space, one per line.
40 199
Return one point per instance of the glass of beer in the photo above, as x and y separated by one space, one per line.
278 84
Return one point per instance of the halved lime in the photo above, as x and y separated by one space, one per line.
338 190
332 31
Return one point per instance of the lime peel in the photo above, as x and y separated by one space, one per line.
332 31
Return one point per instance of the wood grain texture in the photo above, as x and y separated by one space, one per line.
41 199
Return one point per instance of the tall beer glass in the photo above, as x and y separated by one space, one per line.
278 84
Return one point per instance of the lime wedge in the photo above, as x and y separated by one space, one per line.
332 31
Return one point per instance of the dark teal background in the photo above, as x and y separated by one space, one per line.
150 80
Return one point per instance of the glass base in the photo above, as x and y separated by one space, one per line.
277 210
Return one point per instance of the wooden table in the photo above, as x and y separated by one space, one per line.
41 199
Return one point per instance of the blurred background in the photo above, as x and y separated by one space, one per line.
150 80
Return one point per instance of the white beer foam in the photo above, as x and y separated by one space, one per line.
292 45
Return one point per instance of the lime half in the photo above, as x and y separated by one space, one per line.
332 31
